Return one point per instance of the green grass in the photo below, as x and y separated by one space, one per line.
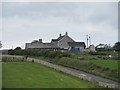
33 75
0 75
87 66
112 64
88 56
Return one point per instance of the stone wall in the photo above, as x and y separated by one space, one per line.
8 58
65 70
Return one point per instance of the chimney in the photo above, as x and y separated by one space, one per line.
40 40
60 35
66 33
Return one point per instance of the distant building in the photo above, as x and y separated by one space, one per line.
61 43
76 46
92 48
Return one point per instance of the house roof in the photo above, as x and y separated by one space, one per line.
76 44
42 45
54 40
59 38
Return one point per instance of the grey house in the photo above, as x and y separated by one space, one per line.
40 45
61 43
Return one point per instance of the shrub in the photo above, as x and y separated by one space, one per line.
11 52
43 53
97 53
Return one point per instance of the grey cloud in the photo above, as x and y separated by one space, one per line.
27 21
77 12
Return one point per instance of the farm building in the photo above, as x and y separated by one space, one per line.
76 46
61 43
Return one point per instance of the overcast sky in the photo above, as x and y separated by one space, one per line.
23 22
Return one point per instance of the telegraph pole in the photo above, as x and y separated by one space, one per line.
87 40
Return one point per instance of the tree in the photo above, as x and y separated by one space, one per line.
0 44
18 48
103 47
116 47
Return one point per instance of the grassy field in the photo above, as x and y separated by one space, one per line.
112 64
0 75
32 75
97 67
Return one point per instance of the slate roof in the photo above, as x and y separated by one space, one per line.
59 38
76 44
42 45
54 40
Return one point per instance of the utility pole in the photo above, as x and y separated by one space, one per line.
87 40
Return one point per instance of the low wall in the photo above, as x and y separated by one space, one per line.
65 70
9 58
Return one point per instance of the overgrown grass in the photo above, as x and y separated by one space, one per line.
0 75
112 64
78 60
33 75
85 66
96 55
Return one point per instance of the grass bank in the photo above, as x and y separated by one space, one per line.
33 75
112 64
78 60
87 66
